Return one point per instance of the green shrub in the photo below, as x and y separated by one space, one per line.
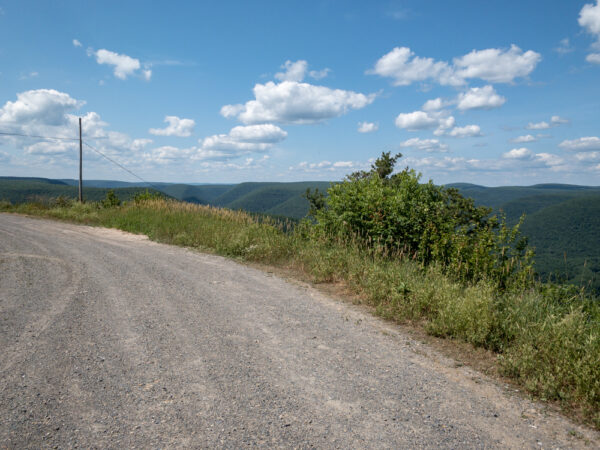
111 200
423 221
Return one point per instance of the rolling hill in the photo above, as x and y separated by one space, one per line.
562 222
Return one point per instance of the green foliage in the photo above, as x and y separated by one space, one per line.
147 195
426 222
111 200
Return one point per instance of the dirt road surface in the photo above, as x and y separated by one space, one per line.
109 340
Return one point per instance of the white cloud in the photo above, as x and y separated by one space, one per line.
589 19
416 120
444 123
435 104
40 106
427 145
328 166
177 127
405 68
518 153
241 140
318 74
557 120
549 159
480 98
296 103
29 76
139 144
168 154
583 144
564 46
497 65
4 157
264 133
522 139
76 43
593 58
538 126
367 127
493 65
51 148
294 71
588 156
123 65
466 131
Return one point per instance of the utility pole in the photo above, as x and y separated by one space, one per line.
80 165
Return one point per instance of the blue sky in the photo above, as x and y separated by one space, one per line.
495 92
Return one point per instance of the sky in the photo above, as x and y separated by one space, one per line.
496 92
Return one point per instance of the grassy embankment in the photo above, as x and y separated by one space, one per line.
547 339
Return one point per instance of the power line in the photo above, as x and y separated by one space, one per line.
121 166
3 133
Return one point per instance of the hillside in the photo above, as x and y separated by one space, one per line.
562 223
566 237
40 189
560 219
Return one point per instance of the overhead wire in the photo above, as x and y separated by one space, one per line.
5 133
121 166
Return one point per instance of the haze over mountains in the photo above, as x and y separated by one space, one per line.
562 221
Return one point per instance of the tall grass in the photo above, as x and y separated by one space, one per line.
547 338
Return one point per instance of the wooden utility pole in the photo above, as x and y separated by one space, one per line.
80 165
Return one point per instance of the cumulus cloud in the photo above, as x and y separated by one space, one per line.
47 112
466 131
367 127
4 157
549 159
427 145
497 65
588 156
480 98
328 166
583 144
176 127
589 19
564 47
123 65
538 126
423 120
296 103
76 43
522 139
555 121
416 120
318 74
241 140
405 68
493 65
294 71
435 104
39 106
518 153
593 58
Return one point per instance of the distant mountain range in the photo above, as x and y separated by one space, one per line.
562 221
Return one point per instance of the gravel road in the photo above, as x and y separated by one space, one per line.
109 340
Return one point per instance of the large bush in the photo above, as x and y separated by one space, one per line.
398 214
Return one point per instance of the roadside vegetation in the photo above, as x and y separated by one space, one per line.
413 251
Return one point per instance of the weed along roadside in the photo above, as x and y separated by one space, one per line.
412 251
